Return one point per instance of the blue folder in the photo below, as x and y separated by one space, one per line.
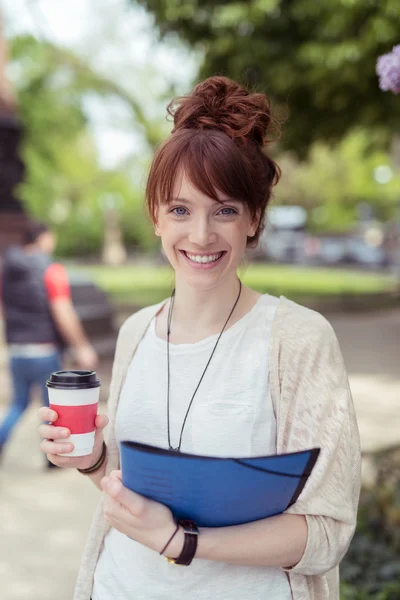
216 492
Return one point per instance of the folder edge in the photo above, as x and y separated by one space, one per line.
314 453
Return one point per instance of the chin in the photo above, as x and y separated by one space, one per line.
204 280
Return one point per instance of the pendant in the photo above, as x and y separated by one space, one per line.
174 449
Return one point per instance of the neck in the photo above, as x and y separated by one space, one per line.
31 249
203 309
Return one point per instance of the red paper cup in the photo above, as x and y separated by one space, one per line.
74 396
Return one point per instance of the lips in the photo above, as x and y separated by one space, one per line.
203 260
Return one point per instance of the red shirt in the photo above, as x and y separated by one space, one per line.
56 282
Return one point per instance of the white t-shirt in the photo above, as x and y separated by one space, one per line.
231 415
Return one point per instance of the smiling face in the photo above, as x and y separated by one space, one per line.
203 239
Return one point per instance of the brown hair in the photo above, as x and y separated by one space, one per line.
218 139
32 231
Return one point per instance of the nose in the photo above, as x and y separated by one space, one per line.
202 232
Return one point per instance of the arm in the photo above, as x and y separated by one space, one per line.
67 322
97 477
112 456
65 316
314 385
273 542
69 326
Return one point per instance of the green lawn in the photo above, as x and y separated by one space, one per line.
145 285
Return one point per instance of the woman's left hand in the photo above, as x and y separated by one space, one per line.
149 523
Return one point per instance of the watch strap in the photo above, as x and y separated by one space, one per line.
189 545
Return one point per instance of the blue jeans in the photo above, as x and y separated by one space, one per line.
26 372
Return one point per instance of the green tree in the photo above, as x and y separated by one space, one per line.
315 59
64 181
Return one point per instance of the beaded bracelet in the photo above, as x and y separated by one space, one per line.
97 465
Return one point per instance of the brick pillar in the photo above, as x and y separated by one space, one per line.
12 213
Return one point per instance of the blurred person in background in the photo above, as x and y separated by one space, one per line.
40 320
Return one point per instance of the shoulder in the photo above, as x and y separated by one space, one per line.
305 351
55 269
298 325
139 320
56 281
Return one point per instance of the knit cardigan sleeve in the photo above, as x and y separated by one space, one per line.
317 411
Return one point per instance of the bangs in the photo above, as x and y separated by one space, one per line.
210 160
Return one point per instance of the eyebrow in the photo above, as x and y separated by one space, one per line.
225 201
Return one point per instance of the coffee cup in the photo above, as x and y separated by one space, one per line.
74 396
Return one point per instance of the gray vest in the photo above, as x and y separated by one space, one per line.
26 308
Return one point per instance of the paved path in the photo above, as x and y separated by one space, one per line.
371 349
45 515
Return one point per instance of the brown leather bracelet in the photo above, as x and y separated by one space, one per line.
97 465
189 545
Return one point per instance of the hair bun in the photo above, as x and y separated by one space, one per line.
222 104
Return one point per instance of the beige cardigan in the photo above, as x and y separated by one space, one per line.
313 407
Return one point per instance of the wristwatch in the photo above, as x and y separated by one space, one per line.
189 545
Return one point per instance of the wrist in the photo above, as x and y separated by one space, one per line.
101 450
175 546
82 346
97 464
190 541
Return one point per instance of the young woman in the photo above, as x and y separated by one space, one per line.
219 369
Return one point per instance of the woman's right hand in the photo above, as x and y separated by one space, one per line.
53 449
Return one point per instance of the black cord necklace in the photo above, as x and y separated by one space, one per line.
171 306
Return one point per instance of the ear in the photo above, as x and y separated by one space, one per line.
253 225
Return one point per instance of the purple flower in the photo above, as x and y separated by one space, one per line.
388 70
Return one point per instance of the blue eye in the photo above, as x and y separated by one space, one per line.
227 211
179 211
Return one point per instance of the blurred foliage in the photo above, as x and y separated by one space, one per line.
371 567
64 184
335 180
315 59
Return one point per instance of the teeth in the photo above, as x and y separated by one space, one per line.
204 259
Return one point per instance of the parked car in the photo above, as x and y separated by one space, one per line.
344 249
283 237
365 254
326 249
